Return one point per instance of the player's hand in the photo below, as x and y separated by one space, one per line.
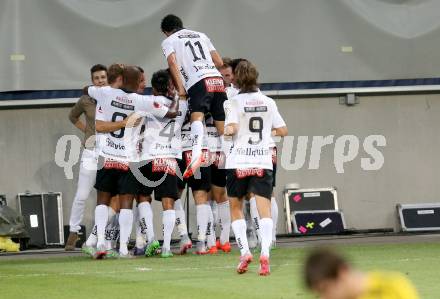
133 120
183 96
229 131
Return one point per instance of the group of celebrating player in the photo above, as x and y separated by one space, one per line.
198 129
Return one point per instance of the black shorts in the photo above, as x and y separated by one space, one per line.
258 182
116 181
203 184
208 95
274 164
163 182
218 175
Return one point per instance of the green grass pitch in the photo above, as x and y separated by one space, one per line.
210 277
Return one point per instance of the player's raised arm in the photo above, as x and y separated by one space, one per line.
217 59
174 70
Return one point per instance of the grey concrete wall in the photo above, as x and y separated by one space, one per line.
409 123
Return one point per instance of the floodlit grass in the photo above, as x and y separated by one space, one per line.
210 277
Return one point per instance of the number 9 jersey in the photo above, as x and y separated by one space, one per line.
256 115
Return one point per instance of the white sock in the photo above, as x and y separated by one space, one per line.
115 231
101 218
255 217
210 232
109 229
197 132
180 219
146 220
274 210
202 221
168 220
125 226
266 235
214 208
239 228
93 238
140 229
224 216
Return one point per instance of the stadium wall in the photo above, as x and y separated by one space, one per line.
409 173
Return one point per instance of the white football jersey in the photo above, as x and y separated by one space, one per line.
162 136
193 55
256 115
231 91
115 105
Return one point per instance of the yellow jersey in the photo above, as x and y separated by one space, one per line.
391 285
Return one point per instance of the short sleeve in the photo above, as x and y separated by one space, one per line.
149 106
277 121
208 43
100 115
167 48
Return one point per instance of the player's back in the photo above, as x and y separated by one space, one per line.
193 55
256 115
256 112
162 135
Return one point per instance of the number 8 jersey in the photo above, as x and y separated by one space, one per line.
256 116
115 105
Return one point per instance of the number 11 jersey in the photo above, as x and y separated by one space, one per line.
256 115
193 55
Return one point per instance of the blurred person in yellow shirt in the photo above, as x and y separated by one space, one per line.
330 276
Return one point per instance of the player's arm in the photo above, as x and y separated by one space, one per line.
217 59
232 118
279 127
75 113
110 126
173 111
175 74
282 131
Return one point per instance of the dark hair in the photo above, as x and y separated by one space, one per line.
171 23
322 264
114 71
234 63
160 81
97 68
246 76
226 62
131 77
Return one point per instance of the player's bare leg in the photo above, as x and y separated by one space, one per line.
239 227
